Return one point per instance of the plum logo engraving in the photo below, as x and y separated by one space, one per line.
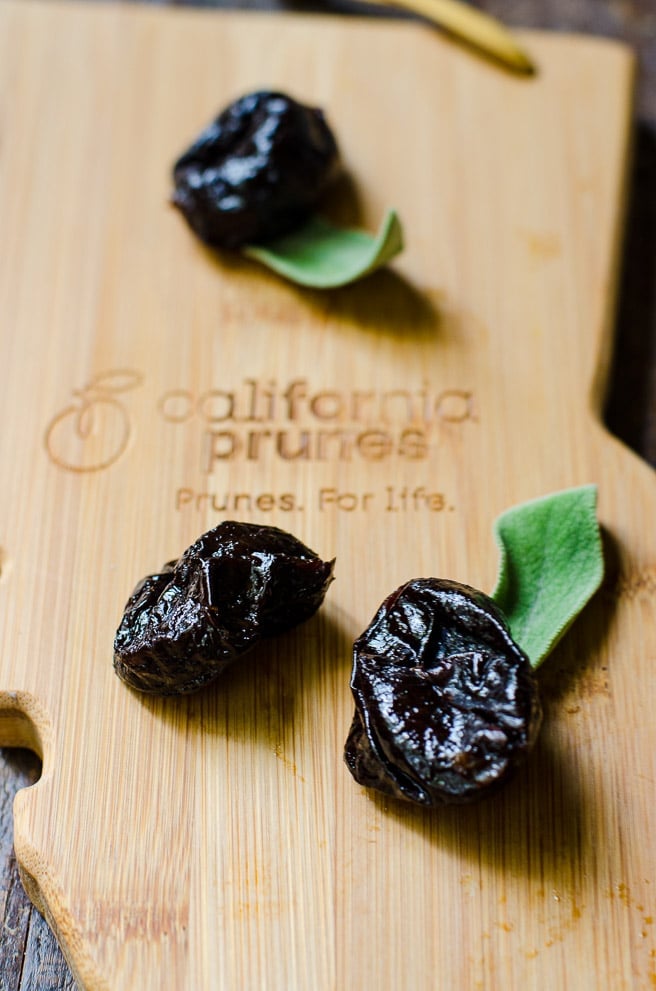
94 431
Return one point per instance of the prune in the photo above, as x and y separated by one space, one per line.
446 702
256 171
235 585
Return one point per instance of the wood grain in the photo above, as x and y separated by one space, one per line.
218 841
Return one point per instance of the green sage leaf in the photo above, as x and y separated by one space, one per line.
551 565
323 256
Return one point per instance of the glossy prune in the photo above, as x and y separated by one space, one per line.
237 584
255 172
446 702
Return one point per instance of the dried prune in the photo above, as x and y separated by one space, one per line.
256 171
235 585
446 702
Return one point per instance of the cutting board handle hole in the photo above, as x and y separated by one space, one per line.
24 723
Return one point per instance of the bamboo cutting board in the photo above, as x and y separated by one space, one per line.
151 389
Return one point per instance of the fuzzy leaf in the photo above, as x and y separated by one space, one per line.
323 256
551 565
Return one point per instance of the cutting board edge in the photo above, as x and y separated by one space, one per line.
46 897
598 393
398 19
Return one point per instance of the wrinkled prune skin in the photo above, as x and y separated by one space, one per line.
446 702
255 172
235 585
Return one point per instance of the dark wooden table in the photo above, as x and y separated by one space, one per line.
30 959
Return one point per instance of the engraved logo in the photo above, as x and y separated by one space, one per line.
94 431
267 420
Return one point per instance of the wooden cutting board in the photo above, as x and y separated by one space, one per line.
151 390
